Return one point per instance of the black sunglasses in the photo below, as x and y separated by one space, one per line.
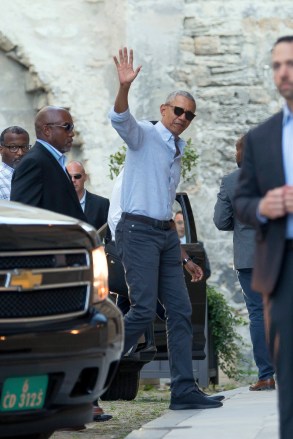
66 126
178 111
76 176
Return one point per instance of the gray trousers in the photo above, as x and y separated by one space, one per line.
152 262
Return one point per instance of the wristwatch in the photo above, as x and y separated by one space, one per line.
184 262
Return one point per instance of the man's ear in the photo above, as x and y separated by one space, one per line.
46 130
163 109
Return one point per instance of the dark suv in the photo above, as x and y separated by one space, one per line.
60 337
153 345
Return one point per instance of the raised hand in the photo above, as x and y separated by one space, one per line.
126 73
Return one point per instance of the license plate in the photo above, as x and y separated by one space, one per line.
24 393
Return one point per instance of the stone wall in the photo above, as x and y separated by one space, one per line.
225 57
217 50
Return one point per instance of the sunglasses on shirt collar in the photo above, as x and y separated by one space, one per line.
178 111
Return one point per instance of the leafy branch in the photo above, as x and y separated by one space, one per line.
116 161
189 161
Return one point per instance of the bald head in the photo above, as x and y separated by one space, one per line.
78 177
75 166
54 125
47 115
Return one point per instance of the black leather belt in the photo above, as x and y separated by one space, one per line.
289 244
158 224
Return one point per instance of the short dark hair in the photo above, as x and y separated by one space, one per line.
15 130
285 39
184 93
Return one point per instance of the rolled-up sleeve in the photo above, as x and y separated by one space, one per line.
127 127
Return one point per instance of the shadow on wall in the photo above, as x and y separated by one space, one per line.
20 103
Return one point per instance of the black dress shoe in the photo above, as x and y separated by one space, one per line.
214 397
193 401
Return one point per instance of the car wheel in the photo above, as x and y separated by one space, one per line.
124 386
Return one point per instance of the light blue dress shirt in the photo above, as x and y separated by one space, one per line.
5 181
82 200
287 146
151 172
61 159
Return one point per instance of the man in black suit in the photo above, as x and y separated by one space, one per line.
264 199
41 178
94 206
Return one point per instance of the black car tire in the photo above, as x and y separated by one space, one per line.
33 436
42 436
124 386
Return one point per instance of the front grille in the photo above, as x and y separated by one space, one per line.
42 261
38 285
42 303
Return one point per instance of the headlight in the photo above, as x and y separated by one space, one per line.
100 274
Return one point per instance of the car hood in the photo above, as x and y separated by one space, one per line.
17 220
17 213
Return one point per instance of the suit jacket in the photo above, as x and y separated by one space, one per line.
96 209
225 219
40 181
262 170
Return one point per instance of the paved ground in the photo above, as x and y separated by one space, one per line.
244 415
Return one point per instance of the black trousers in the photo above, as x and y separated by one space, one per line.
152 262
280 311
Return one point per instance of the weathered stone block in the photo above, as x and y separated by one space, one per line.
187 44
207 45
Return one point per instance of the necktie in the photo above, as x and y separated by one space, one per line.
177 147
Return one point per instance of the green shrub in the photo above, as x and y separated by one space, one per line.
227 342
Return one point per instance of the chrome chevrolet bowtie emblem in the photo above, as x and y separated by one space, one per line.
25 279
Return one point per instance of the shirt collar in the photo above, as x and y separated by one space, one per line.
287 115
82 200
8 168
167 135
57 154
